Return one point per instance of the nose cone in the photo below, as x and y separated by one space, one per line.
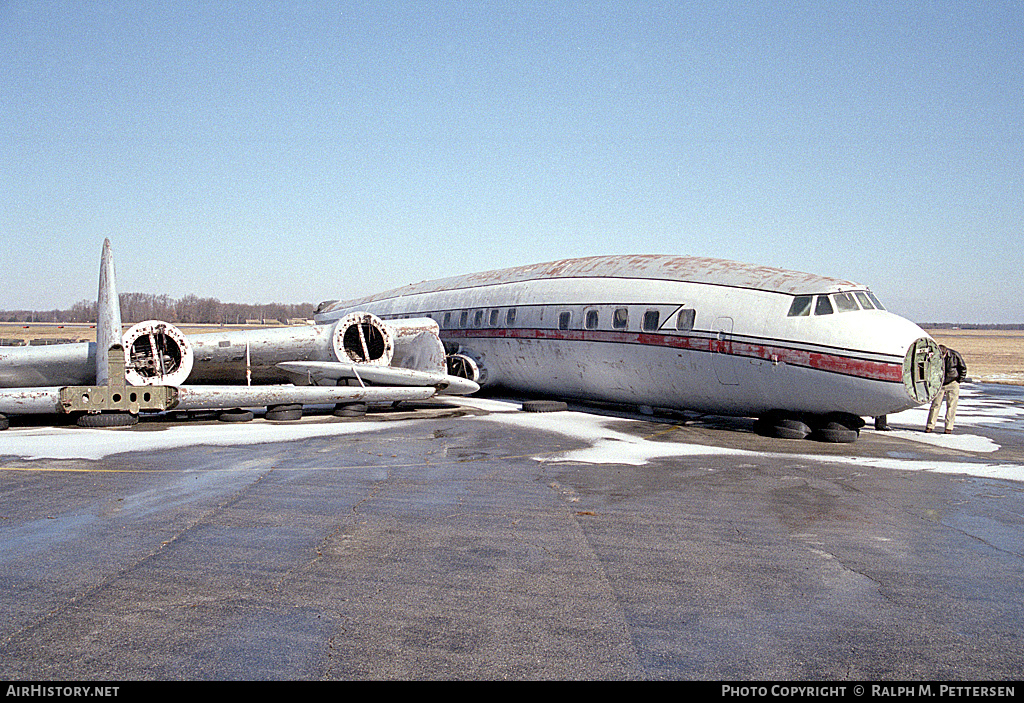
922 370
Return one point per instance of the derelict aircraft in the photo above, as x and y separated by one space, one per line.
803 353
144 369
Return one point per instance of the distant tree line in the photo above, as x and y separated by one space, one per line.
971 326
191 309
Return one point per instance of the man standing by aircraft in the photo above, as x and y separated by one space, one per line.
955 373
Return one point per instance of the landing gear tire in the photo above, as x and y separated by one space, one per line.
544 406
350 409
835 433
107 420
782 427
289 411
235 415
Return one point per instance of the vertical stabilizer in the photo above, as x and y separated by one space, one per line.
108 317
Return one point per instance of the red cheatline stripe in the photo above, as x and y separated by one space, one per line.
832 363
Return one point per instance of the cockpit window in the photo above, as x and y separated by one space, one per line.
836 302
864 300
801 306
845 302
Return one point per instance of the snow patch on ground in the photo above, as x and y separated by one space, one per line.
604 443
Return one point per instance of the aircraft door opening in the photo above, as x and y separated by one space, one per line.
923 370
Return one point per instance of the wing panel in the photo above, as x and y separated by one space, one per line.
208 397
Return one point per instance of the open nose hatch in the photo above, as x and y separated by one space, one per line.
922 370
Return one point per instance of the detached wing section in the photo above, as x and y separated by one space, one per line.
153 366
210 397
48 400
352 360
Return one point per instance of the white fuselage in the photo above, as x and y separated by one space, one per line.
710 347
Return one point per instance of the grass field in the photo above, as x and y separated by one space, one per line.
992 356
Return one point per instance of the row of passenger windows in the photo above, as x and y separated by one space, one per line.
803 305
462 321
650 322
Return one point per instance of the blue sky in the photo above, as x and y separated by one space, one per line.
260 152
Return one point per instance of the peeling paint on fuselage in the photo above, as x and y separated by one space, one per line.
737 352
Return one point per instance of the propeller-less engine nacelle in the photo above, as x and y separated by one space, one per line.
466 365
363 338
158 353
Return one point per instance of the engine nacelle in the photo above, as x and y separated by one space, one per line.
468 366
157 354
363 338
417 344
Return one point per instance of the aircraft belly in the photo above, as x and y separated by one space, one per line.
632 374
678 378
801 389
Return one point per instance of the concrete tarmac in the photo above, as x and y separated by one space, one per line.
471 540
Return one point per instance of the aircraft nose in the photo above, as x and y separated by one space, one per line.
922 370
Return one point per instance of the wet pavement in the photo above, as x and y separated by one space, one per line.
477 541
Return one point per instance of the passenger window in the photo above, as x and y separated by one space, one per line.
684 323
801 306
447 320
563 320
620 320
652 320
823 306
478 318
592 320
845 302
510 317
494 318
464 319
864 300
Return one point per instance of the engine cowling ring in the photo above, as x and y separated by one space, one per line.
363 338
157 354
468 366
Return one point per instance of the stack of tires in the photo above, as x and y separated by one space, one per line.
833 428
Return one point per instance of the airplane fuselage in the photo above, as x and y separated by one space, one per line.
675 332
